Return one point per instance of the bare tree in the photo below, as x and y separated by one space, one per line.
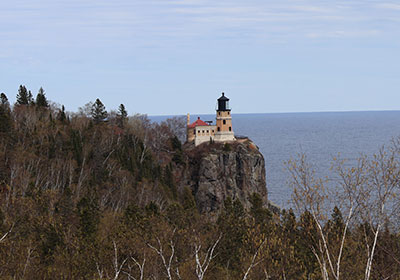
380 198
117 266
202 265
254 262
140 266
311 194
5 235
166 260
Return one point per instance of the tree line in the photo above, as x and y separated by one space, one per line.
97 195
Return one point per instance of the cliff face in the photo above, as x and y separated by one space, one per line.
217 172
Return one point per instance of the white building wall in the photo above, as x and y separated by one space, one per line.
204 133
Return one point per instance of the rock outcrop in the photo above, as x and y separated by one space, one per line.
218 171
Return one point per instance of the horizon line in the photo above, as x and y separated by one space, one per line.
283 112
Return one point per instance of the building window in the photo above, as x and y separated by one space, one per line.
230 128
213 131
194 131
219 113
224 121
219 129
203 131
229 113
208 131
198 131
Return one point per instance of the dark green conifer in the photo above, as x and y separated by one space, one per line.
232 223
99 113
41 100
22 96
5 118
122 115
30 98
61 115
4 100
261 215
89 217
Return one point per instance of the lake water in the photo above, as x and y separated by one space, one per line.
321 136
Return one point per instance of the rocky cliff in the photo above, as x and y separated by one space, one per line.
218 171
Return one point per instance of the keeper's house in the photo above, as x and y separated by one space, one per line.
200 131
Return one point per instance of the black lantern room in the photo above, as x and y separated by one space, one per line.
223 103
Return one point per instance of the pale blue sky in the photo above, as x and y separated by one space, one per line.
177 56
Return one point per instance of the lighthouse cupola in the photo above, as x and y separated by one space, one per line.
224 131
223 103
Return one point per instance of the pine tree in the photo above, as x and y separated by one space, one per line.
121 115
99 113
232 223
22 96
4 100
5 115
30 98
41 100
89 217
5 120
61 115
122 112
261 215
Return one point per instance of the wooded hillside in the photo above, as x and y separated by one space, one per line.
94 195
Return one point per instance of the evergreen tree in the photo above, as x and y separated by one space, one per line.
30 98
169 181
89 217
232 223
22 96
5 120
121 115
261 215
41 100
61 115
99 113
5 114
4 100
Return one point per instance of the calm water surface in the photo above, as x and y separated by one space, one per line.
321 136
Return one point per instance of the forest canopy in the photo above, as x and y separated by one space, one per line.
93 195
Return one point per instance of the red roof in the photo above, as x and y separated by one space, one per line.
198 122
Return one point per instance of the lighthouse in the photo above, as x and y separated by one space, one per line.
200 132
224 132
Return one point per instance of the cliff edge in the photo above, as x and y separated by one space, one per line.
218 171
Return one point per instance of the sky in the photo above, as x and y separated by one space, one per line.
170 57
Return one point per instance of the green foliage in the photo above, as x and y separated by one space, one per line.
152 209
70 190
133 215
232 223
4 100
308 234
261 215
89 217
77 145
5 120
188 200
50 239
227 147
61 116
169 181
122 116
99 113
41 100
176 145
24 97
